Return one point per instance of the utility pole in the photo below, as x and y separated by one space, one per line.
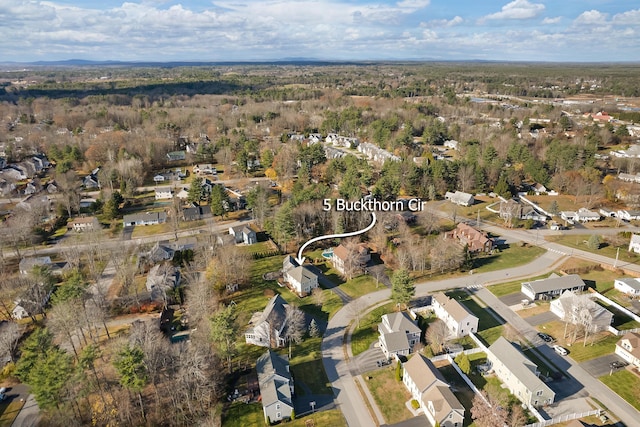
615 264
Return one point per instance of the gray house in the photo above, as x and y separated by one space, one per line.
552 286
148 218
398 334
519 374
276 386
266 328
460 198
244 235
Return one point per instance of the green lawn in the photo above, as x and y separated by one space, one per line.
620 319
389 393
9 411
514 256
605 343
578 242
626 385
241 414
312 374
367 333
360 285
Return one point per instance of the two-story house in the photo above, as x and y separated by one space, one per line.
350 259
458 319
519 374
427 386
628 347
266 328
244 235
398 334
475 240
634 243
276 387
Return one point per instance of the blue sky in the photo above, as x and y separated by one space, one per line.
262 30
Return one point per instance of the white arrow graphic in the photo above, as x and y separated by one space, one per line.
300 259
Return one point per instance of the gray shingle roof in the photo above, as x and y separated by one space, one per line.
274 379
399 321
555 283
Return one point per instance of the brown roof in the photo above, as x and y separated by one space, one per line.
444 401
423 373
453 307
634 340
341 252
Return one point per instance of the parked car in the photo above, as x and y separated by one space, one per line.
545 337
617 364
560 350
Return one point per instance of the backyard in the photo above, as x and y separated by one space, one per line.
389 393
244 415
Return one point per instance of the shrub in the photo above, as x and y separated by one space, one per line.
415 404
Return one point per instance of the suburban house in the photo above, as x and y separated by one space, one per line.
451 144
175 156
266 328
88 223
352 259
91 181
460 198
148 218
398 334
27 264
161 251
514 209
475 240
458 319
552 286
205 169
628 215
196 213
628 347
629 178
581 215
427 386
377 154
244 235
163 193
519 374
161 279
580 309
276 386
628 285
298 277
634 243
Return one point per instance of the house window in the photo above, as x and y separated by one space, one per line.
539 393
278 415
277 406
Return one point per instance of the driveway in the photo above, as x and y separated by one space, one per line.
600 365
367 360
513 299
541 318
29 415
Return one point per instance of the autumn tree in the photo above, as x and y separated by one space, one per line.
224 333
436 335
487 411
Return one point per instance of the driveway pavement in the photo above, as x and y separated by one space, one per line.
600 365
30 413
367 360
541 318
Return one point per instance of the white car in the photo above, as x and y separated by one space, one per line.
560 350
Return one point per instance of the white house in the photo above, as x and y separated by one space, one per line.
266 327
458 319
398 334
459 198
628 285
634 243
429 388
552 286
585 215
89 223
163 193
453 145
301 279
628 215
628 347
581 310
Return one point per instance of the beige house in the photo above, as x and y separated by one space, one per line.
458 319
87 223
519 374
350 260
427 386
628 347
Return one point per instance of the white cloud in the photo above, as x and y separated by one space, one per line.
456 20
550 21
591 17
518 9
630 17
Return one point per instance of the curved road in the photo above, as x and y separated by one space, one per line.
336 361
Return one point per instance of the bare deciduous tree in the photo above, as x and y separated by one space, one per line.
486 411
10 333
436 335
295 326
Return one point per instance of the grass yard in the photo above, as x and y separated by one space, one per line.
604 343
492 328
325 418
626 385
390 394
311 374
620 319
9 410
514 256
330 305
367 333
491 335
240 414
578 242
360 285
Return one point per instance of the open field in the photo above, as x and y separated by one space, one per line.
578 241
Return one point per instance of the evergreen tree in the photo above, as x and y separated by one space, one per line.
224 331
463 362
219 200
196 191
402 288
502 187
313 329
132 371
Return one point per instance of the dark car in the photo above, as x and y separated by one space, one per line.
545 337
617 365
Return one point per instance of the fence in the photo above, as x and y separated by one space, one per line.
564 418
618 306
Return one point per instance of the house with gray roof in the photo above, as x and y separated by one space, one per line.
267 328
161 279
459 320
276 387
398 334
552 287
148 218
301 279
634 243
427 386
244 234
460 198
519 374
628 285
581 310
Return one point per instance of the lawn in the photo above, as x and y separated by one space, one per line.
367 333
360 285
626 385
9 410
513 256
389 393
311 374
240 414
598 345
620 319
492 328
578 242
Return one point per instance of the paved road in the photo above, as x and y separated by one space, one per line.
30 413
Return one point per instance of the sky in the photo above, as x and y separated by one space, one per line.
340 30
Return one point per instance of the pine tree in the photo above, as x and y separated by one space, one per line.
313 329
402 288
